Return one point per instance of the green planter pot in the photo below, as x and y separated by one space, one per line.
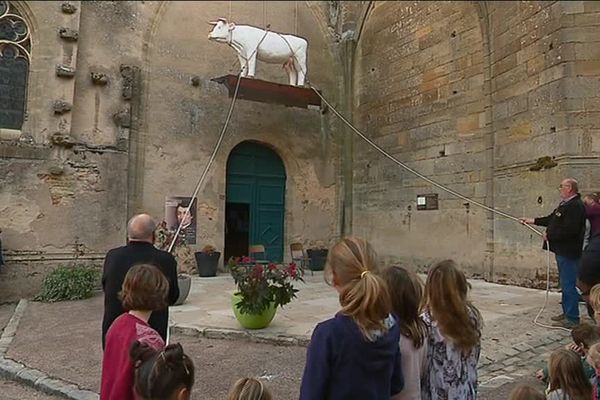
253 321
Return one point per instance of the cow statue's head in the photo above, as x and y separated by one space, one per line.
221 30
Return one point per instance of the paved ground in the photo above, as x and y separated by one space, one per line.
10 390
63 339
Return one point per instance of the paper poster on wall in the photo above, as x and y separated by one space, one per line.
175 214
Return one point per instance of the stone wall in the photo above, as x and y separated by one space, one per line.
475 95
545 92
139 116
420 94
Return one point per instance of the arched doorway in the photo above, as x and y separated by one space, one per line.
255 201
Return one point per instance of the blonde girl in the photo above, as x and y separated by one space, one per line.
406 290
567 381
454 335
355 354
249 389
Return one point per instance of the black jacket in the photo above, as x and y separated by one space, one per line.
566 228
116 264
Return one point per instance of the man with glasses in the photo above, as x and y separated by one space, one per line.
565 232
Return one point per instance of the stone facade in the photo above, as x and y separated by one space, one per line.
470 94
137 117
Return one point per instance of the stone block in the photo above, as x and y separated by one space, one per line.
65 71
572 7
591 6
467 124
587 51
504 65
521 128
30 376
10 368
68 34
61 107
55 386
587 68
578 87
536 64
99 78
552 74
68 8
582 34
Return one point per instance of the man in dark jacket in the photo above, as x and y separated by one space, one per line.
140 249
565 232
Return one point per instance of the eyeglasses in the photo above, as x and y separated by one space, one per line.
564 186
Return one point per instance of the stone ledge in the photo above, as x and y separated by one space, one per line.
39 380
238 334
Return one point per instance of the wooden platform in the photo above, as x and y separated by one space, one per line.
270 92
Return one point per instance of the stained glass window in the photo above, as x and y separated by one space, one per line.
15 54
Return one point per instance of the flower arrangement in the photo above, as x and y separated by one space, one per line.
181 251
259 286
209 249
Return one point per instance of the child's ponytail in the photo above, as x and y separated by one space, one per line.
364 295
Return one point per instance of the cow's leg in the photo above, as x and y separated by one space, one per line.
293 75
291 71
300 66
243 65
252 66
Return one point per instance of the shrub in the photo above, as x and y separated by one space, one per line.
69 283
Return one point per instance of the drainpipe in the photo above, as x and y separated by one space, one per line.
347 48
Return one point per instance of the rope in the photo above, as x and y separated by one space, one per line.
446 189
456 194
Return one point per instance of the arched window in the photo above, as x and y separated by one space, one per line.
15 50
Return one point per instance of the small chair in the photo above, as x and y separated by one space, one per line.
257 252
299 257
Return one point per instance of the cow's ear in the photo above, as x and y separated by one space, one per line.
231 26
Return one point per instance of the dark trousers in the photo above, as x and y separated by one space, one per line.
567 273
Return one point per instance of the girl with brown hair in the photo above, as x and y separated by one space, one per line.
407 293
355 354
567 381
167 374
454 335
144 290
249 389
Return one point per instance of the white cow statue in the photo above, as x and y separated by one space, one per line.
251 43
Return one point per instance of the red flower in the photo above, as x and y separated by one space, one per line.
246 260
292 270
257 271
272 267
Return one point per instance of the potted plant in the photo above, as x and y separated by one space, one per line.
183 255
317 257
207 261
261 289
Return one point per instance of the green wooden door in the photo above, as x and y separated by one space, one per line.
256 176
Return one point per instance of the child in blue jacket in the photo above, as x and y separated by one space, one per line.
355 354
